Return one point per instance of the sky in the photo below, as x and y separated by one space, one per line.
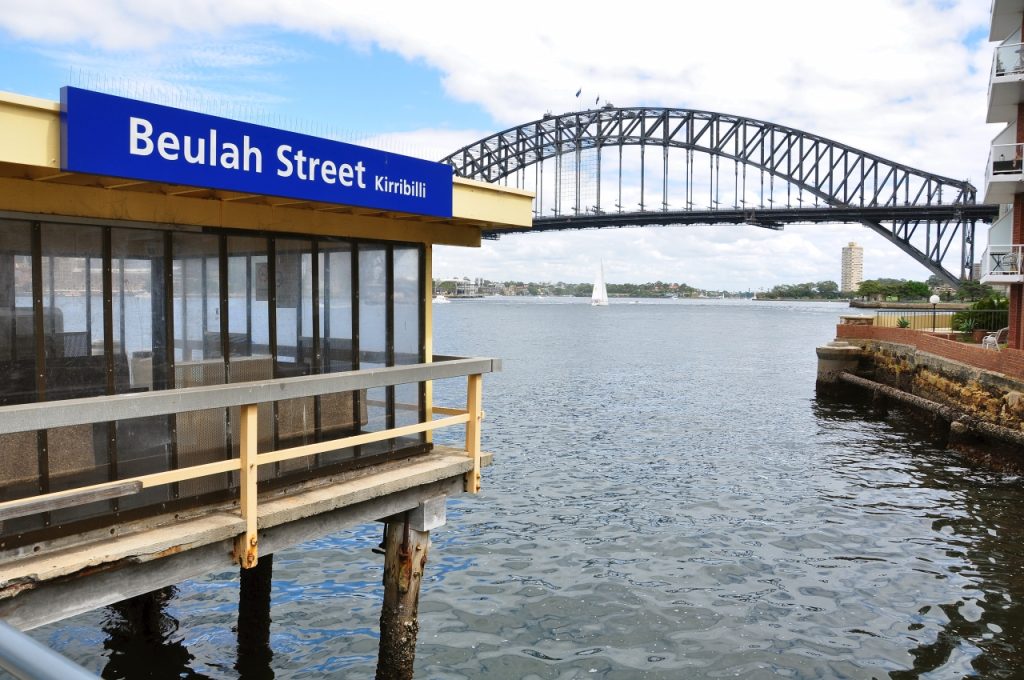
904 79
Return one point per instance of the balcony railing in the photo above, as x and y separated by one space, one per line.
1003 264
247 397
1004 173
1006 159
1009 60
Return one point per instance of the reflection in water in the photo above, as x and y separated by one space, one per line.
980 631
143 641
254 653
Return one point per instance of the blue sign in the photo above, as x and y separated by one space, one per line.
106 135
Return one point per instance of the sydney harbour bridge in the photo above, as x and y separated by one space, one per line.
645 166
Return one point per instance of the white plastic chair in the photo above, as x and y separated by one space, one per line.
994 339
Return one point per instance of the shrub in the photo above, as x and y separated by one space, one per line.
983 315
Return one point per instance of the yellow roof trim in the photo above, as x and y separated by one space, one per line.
491 204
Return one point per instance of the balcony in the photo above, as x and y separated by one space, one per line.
1006 18
1006 84
1002 264
1004 175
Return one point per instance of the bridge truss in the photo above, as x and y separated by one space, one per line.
617 167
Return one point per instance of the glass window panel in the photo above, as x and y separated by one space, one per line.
408 339
74 341
373 335
138 305
249 333
139 322
75 363
77 457
196 283
19 452
202 436
248 297
408 303
373 308
296 418
17 332
336 307
294 306
339 413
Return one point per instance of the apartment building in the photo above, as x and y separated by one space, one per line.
1004 175
853 268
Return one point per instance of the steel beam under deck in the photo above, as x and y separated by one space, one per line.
774 218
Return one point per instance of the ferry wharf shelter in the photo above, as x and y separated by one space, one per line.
215 343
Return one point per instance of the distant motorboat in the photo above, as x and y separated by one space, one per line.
440 299
599 298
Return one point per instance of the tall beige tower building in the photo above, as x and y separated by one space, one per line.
853 268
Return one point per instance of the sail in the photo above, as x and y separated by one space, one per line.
600 295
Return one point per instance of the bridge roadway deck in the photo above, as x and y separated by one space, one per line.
50 582
770 218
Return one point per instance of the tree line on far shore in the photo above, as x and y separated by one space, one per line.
901 290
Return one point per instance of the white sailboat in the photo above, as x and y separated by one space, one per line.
599 298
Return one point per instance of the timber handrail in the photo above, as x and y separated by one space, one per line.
247 396
65 412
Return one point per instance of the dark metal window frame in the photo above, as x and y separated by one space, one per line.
163 347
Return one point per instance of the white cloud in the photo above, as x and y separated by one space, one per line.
893 77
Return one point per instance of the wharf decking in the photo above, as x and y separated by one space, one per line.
117 557
50 585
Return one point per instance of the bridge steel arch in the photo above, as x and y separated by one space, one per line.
922 213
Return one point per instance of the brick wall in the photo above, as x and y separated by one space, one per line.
1009 362
1016 311
1016 338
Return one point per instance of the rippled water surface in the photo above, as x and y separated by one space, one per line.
669 500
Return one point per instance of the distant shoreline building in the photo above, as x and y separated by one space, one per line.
853 268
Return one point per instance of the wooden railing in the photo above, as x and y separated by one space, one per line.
247 396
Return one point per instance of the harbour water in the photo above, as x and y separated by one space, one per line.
669 499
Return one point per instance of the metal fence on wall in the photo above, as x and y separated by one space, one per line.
966 320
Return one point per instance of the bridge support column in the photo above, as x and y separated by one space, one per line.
406 543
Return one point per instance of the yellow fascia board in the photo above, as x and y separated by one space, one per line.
140 208
30 136
491 204
29 131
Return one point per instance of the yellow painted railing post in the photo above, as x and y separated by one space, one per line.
246 544
474 404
